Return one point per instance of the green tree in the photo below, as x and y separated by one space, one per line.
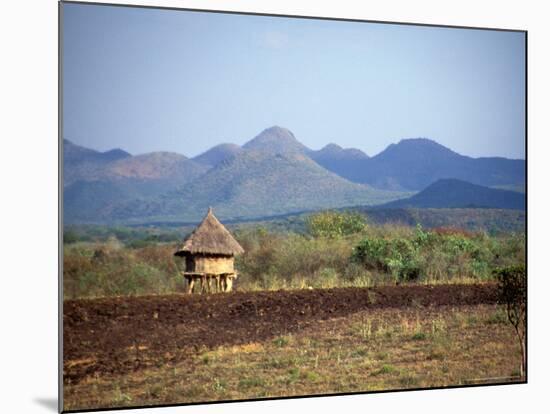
70 236
332 224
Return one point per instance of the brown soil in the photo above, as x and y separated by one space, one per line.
118 335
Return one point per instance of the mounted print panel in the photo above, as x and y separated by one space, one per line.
259 206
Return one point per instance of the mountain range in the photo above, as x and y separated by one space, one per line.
271 174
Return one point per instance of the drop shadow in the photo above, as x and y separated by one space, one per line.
49 403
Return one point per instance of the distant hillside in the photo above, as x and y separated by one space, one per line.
73 153
217 154
90 201
485 219
95 182
273 174
80 163
155 166
452 193
255 184
518 188
413 164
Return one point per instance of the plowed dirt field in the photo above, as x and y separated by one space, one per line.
120 335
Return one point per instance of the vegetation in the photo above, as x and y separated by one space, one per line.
110 269
512 288
333 224
336 249
129 236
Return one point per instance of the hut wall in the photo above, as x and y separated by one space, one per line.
189 263
214 264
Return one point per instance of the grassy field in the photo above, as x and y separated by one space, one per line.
378 349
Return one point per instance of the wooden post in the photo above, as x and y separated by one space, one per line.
190 284
229 283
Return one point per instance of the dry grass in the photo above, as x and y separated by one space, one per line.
385 349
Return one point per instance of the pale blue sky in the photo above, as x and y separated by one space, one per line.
150 80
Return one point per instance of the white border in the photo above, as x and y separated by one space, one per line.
28 163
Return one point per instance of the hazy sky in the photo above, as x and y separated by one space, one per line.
148 80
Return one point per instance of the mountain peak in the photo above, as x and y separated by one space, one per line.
276 139
423 148
279 131
419 140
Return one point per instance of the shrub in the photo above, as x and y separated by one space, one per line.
512 292
442 255
109 270
70 236
398 256
333 224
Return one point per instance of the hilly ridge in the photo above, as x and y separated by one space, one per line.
96 181
271 174
413 164
281 183
80 163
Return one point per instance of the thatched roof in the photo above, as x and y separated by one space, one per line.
210 237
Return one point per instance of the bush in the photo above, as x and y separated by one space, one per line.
273 260
110 270
333 224
429 255
512 292
70 236
399 257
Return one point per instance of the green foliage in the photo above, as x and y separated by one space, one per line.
70 236
108 270
436 255
419 336
277 261
333 224
512 291
135 261
398 256
281 341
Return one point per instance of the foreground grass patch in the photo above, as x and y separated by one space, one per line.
383 349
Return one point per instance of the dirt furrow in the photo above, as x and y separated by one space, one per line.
117 335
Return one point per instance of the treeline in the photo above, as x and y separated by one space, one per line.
336 249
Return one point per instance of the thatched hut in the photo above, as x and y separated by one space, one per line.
208 254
